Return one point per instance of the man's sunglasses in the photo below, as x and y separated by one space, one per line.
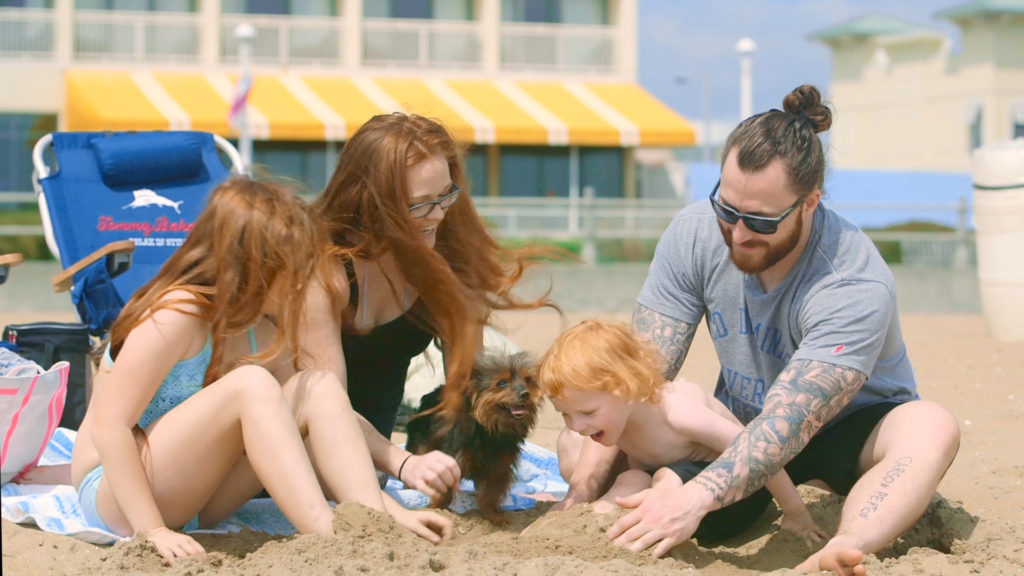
756 224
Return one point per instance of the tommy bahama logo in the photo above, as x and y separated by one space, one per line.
162 224
146 197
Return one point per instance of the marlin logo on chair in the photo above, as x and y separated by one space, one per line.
146 197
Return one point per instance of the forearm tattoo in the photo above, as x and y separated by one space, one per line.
671 337
805 396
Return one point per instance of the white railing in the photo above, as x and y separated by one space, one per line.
557 47
591 220
565 218
26 33
136 36
285 40
422 43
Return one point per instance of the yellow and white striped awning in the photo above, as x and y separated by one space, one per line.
310 107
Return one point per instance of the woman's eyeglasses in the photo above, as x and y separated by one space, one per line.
445 202
756 224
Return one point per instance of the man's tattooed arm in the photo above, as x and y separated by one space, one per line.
671 337
805 396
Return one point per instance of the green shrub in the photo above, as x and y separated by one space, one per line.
32 247
891 250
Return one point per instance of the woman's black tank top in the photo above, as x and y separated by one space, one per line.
377 362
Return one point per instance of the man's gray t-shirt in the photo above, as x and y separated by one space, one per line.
837 305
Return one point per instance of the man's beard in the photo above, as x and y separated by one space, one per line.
755 263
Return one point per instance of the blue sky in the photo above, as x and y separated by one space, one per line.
696 39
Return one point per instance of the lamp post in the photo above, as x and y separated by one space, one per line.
244 34
705 97
746 47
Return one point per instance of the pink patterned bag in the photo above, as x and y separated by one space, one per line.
31 404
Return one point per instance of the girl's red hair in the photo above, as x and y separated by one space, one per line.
252 235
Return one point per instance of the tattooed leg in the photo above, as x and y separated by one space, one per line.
904 459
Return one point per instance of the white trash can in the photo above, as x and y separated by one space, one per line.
998 174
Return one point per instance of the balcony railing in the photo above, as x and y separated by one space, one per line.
285 40
136 36
557 48
26 33
422 43
301 41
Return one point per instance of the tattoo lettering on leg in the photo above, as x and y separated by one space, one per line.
899 468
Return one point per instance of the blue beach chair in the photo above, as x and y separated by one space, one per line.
117 204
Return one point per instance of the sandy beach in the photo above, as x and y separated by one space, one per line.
974 525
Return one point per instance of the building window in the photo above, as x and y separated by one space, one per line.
304 163
555 11
476 170
544 171
601 169
1017 119
424 9
138 5
974 127
26 3
534 171
281 7
18 134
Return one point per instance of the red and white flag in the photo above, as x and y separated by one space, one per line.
238 102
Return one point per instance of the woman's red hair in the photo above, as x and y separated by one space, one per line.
464 276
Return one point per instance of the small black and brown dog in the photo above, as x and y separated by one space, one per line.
500 409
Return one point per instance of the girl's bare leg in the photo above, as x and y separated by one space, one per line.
190 452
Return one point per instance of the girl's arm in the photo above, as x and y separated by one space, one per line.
122 395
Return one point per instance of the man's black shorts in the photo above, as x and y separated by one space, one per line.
831 456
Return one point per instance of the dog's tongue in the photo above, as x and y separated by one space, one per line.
517 411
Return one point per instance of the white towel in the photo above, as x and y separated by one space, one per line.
55 508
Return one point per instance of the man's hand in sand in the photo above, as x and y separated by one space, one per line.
663 517
433 473
426 524
173 545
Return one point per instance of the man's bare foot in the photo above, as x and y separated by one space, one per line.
842 561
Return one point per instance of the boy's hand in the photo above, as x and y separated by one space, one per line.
802 524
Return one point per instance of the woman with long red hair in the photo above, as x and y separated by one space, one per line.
420 265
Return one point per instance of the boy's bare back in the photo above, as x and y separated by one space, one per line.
684 423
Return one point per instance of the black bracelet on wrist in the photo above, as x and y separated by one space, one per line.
401 466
